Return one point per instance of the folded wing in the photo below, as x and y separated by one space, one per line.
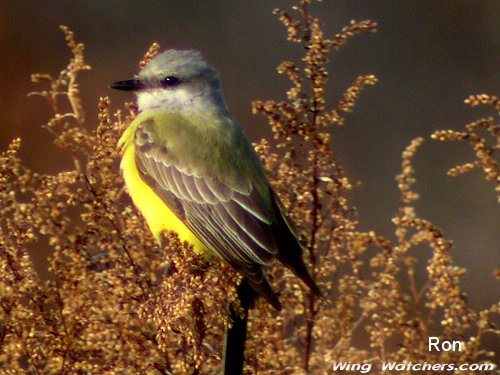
233 223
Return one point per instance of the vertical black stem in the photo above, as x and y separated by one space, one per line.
235 337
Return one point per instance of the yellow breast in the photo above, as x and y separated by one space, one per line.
157 214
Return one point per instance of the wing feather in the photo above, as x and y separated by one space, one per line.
220 241
239 236
179 183
255 229
206 194
248 203
222 192
190 185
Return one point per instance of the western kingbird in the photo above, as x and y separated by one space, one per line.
190 168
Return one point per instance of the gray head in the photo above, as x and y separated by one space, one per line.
175 80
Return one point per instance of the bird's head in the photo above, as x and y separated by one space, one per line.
176 80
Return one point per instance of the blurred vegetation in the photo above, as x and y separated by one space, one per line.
117 303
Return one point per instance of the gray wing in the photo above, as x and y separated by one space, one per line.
234 224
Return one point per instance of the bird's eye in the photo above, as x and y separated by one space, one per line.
170 81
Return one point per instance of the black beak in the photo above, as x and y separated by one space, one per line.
128 85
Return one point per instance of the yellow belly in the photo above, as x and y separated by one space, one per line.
157 214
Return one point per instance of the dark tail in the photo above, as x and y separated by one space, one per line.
292 258
234 338
290 250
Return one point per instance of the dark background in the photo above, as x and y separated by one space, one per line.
428 55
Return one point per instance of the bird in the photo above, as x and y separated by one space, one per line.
190 168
